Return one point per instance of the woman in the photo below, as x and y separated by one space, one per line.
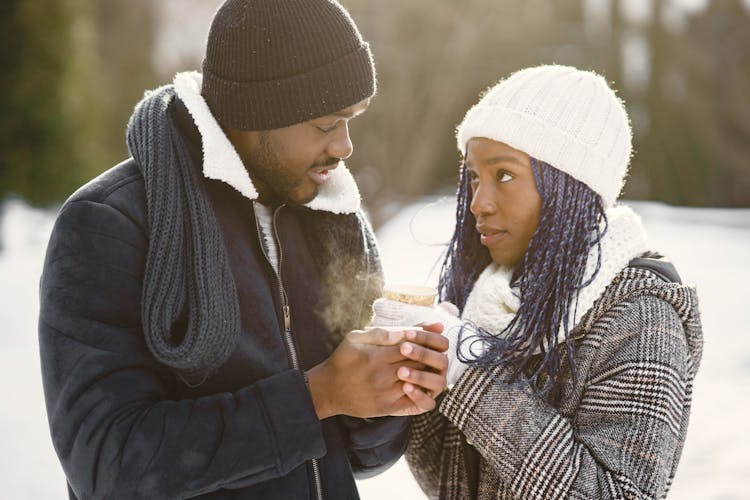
573 360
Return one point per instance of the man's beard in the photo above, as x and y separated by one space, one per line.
269 173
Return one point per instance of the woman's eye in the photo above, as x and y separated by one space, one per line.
504 177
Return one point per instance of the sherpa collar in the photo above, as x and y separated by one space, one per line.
340 195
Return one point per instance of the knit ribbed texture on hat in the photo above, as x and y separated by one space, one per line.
566 117
271 64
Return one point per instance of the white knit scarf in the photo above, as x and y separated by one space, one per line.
493 303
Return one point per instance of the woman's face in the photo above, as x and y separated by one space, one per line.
504 198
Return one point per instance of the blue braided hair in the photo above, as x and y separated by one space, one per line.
572 221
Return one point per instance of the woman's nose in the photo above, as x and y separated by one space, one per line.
482 202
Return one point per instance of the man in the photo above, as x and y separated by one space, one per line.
194 298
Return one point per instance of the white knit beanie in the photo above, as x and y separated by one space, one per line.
568 118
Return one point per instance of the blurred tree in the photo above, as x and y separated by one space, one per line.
695 147
126 40
35 133
669 164
433 59
718 79
66 67
684 89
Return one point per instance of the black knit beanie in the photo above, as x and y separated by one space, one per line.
273 63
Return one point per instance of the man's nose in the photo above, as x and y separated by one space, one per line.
341 144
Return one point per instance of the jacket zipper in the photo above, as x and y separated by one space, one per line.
288 335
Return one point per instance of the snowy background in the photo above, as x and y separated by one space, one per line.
709 246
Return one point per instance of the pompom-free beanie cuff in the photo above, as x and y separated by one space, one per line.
546 143
266 105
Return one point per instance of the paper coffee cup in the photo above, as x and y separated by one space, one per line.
418 295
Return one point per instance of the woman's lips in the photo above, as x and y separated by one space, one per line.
490 236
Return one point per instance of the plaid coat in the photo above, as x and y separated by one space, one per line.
616 431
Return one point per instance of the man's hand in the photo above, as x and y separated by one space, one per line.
424 375
378 372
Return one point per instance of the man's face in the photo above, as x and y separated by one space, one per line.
290 164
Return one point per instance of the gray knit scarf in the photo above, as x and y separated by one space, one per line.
189 306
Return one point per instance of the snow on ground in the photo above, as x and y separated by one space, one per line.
709 246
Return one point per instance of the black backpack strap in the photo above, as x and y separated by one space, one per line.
657 264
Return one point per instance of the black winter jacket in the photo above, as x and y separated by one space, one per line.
124 426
